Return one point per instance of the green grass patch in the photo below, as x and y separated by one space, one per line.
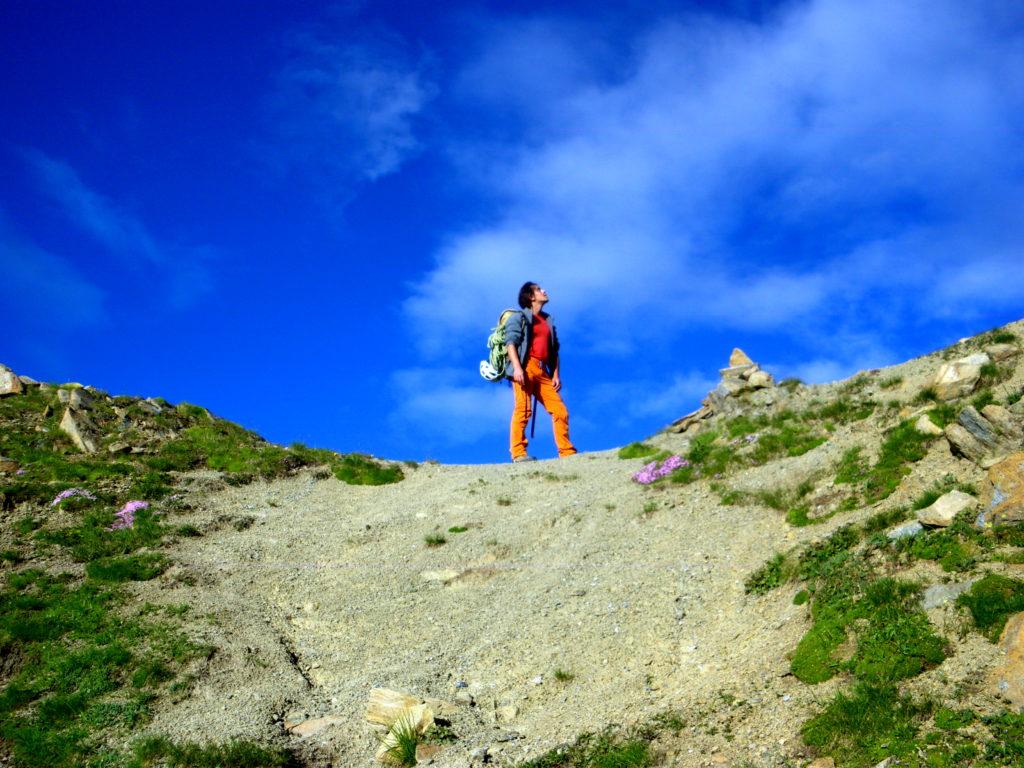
956 547
358 469
607 749
774 573
890 382
844 411
882 521
77 658
994 373
139 567
152 752
864 727
434 540
991 601
903 446
983 398
637 450
944 414
946 719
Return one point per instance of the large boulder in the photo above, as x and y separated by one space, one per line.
958 377
78 427
10 383
985 438
963 443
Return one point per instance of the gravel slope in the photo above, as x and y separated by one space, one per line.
315 592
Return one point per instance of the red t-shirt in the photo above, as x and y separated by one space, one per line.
540 345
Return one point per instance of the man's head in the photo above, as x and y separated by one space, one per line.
529 292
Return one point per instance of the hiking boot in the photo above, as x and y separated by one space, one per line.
521 459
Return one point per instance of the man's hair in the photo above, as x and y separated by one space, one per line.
526 295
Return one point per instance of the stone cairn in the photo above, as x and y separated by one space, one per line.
742 377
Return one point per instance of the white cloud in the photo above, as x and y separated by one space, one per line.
635 400
345 108
449 407
180 270
845 161
44 291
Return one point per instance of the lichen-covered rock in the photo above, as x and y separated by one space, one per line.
1006 493
1008 677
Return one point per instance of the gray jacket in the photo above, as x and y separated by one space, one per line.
519 333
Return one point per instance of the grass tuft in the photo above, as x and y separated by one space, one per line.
637 451
991 601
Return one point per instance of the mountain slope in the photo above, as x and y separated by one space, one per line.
532 603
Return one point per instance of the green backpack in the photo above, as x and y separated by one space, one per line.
494 368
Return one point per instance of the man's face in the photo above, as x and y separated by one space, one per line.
539 294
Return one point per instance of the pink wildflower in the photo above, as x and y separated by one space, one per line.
651 472
21 472
125 518
69 493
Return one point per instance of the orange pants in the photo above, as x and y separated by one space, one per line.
538 384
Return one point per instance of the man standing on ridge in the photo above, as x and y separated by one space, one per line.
531 336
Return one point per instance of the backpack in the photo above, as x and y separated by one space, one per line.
496 364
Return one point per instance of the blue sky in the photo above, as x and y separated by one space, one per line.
306 216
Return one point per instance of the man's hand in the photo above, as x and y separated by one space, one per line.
556 381
518 376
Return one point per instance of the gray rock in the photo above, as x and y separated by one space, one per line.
28 381
1000 352
945 508
80 400
940 594
10 383
905 531
963 443
958 377
150 406
1006 425
979 427
76 427
926 426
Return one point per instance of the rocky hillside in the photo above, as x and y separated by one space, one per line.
789 575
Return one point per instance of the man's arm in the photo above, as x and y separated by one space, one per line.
517 367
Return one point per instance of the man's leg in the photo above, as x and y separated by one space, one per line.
548 396
520 418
